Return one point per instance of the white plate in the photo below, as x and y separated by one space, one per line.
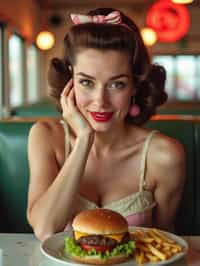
52 249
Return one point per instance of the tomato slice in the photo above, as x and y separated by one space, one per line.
97 248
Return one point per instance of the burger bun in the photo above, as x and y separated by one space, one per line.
100 221
96 260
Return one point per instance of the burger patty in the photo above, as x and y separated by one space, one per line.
99 240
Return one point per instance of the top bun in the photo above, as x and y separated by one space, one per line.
100 221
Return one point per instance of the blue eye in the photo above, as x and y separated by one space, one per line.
86 83
118 85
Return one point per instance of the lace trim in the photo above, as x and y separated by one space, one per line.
135 203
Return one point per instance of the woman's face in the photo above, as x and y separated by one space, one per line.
103 87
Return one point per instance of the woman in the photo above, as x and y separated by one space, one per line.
100 155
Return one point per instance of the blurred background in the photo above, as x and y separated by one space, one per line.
170 31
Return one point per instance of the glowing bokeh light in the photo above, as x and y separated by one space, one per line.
45 40
149 36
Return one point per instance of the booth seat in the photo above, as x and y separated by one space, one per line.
15 174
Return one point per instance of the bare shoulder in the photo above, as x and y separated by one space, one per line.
45 127
43 142
45 131
166 149
166 158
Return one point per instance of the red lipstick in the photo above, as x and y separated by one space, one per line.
101 116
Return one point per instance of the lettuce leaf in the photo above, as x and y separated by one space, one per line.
72 248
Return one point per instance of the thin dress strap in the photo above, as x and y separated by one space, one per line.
67 137
144 159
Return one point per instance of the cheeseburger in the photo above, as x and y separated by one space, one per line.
100 236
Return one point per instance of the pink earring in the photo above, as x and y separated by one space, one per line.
134 109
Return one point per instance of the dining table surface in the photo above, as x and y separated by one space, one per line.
24 250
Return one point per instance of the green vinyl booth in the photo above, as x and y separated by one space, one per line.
197 180
46 107
180 108
36 110
15 174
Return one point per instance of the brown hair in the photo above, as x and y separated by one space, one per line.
149 79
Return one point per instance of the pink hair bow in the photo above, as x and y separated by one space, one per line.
112 18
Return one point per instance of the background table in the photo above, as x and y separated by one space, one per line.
24 250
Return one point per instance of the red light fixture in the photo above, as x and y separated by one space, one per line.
170 21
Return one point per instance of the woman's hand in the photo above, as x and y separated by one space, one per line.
71 114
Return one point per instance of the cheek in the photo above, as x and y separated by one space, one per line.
81 99
122 102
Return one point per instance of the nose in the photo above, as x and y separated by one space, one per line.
101 96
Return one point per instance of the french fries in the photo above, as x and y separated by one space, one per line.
153 245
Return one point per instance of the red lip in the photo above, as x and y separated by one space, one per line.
101 116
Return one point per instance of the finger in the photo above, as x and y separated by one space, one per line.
63 102
71 94
64 99
71 100
64 94
67 88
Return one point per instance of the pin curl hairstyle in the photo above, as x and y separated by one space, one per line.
149 79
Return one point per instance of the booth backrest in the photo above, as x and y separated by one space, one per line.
15 174
35 110
197 179
183 111
47 108
180 108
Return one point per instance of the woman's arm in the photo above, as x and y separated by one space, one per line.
52 191
168 170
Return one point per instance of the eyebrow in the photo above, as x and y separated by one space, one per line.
112 78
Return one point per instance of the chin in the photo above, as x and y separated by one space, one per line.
101 128
100 237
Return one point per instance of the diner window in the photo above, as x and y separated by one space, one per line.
32 74
168 63
183 81
198 77
16 70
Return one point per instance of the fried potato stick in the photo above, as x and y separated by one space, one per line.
163 236
157 252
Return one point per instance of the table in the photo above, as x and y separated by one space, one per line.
24 250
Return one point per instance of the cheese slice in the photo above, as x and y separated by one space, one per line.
117 237
78 235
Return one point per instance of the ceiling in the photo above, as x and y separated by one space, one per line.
111 3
